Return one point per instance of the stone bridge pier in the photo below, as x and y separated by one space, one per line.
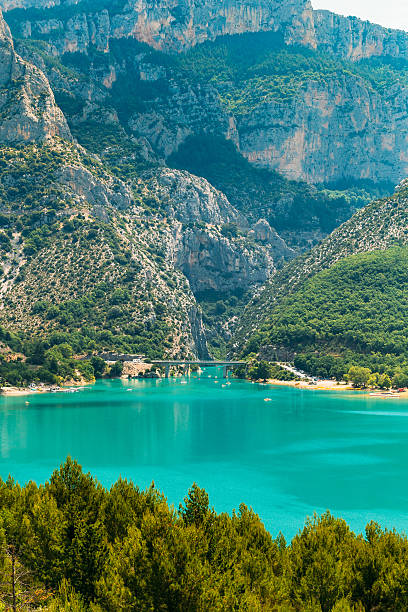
227 366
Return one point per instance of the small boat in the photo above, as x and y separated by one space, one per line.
267 399
183 382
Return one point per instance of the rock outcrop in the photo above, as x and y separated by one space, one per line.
191 199
177 25
28 112
355 39
333 129
180 110
212 243
213 262
171 25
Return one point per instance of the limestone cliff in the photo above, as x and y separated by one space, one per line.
213 244
28 112
170 25
332 129
355 39
177 25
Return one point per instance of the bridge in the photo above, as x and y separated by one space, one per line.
226 365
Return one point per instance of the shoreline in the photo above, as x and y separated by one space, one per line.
323 385
331 385
64 388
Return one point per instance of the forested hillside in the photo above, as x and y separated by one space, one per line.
76 546
345 301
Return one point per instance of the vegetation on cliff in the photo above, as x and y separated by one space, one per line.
251 69
342 303
77 546
302 214
96 274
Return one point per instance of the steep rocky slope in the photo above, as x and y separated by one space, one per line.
254 99
79 257
179 113
355 39
176 25
308 116
170 25
28 112
109 249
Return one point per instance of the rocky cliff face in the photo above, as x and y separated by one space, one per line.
213 244
354 39
28 112
332 129
177 25
171 25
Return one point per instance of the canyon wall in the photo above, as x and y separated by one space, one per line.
169 25
28 111
332 129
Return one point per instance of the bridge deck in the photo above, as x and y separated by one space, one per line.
207 363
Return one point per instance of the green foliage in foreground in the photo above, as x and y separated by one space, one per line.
354 313
81 547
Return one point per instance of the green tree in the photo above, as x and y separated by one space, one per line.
261 370
400 379
384 381
116 369
373 380
359 376
196 506
98 365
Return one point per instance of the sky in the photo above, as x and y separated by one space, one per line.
389 13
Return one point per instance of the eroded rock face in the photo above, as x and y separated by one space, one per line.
356 39
182 109
170 25
330 130
213 244
191 199
97 192
177 25
213 262
28 112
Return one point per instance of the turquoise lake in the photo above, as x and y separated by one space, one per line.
304 451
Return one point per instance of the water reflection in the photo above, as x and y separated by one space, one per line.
300 452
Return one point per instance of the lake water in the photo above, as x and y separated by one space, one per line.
304 451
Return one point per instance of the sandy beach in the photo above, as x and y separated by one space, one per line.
322 385
332 385
16 391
